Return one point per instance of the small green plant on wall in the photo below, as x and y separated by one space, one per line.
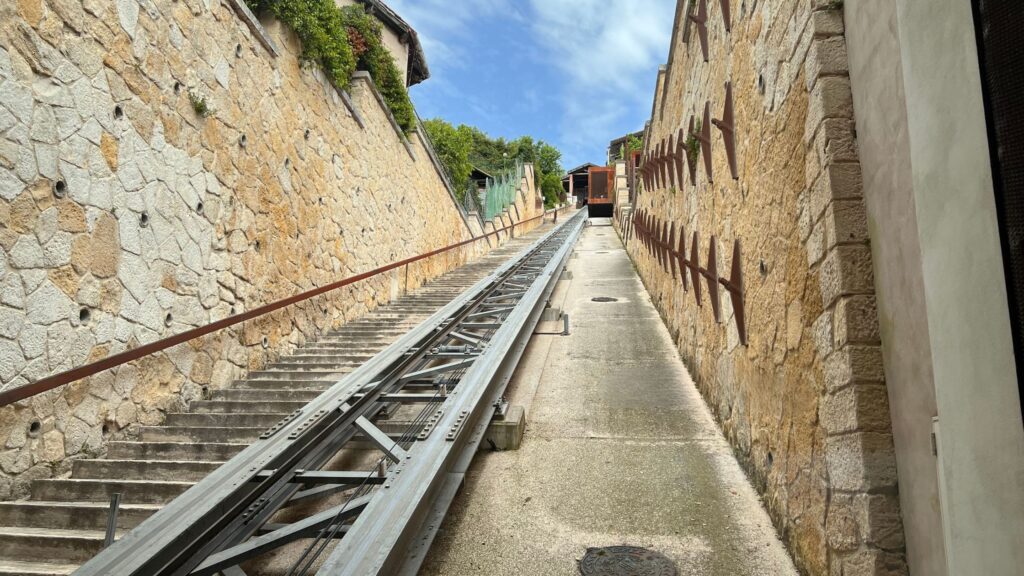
199 104
693 144
635 144
341 41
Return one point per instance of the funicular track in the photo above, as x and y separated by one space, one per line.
423 404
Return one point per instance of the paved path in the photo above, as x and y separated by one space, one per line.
619 449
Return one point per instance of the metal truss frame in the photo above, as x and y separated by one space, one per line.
455 366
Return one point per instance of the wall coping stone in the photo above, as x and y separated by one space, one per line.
366 77
261 34
254 25
347 100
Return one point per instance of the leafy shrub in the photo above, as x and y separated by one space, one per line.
341 41
364 33
551 187
452 145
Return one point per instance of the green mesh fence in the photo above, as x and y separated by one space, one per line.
500 192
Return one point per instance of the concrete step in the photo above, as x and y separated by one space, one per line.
299 384
399 319
396 322
207 452
426 309
235 420
264 395
328 347
71 515
16 568
89 490
294 375
342 348
369 340
370 330
326 364
216 434
250 405
329 355
165 470
335 352
63 546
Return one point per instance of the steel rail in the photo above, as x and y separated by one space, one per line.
48 383
214 524
392 535
233 531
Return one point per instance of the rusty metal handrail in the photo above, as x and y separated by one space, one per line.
50 382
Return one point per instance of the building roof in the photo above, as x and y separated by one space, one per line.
624 139
477 174
418 71
580 168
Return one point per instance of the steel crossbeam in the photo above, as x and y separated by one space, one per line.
448 372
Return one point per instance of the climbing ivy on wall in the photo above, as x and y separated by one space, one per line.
341 41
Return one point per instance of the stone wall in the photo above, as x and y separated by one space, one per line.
804 402
127 216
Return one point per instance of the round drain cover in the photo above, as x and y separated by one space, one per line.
604 299
625 561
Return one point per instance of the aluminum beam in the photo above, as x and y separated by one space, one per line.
381 539
223 519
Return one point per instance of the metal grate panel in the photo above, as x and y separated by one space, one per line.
1000 26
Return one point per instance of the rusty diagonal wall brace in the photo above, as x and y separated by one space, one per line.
701 21
660 240
663 166
728 127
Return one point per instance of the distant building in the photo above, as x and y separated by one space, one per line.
479 178
399 38
575 183
615 147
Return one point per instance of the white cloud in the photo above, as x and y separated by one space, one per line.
440 24
602 43
609 51
606 51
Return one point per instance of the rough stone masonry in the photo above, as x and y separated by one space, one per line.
129 213
804 404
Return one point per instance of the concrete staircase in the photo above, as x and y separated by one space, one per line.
62 524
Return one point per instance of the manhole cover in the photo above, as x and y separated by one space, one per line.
604 299
625 561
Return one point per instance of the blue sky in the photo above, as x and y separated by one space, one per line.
575 73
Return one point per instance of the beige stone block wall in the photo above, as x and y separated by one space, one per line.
126 217
804 403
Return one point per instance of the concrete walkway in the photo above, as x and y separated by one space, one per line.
619 449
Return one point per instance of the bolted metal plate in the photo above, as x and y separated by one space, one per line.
625 561
604 299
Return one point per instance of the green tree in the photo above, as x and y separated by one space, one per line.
463 147
489 154
551 187
453 146
635 143
548 158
